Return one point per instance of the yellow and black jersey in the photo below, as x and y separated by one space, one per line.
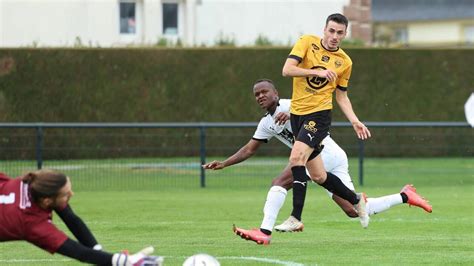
313 94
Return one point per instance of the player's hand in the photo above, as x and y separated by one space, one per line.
328 74
214 165
361 130
140 258
281 118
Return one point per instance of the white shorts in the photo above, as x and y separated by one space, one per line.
335 161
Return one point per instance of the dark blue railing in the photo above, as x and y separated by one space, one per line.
202 126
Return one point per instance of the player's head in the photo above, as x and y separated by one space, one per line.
266 94
335 31
48 188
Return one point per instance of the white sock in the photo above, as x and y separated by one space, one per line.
380 204
275 199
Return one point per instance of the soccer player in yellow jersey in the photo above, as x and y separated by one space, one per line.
319 67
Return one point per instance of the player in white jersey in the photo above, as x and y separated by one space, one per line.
275 124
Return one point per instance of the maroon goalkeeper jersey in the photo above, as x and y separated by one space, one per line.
21 219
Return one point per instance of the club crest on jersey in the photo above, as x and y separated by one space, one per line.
338 63
311 126
325 58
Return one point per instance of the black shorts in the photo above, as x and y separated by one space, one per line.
311 129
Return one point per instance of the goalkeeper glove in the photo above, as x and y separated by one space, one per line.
140 258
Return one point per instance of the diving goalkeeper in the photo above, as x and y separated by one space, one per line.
26 206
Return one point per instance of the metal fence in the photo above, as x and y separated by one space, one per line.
52 143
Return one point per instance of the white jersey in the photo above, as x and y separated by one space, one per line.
334 158
267 128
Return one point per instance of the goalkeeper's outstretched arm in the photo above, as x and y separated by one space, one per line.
75 250
78 228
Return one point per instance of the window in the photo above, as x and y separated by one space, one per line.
401 35
469 34
170 18
128 19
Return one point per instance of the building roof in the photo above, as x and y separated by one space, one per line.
421 10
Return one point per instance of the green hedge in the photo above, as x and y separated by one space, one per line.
158 85
214 85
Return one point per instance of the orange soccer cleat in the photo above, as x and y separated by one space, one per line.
414 199
254 234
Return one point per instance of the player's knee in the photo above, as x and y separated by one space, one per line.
318 177
294 161
297 159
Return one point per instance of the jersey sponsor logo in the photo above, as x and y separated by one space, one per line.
317 82
325 58
286 134
310 137
315 48
338 63
311 126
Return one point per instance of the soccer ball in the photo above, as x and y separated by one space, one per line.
201 260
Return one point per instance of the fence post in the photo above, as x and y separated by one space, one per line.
202 152
361 162
39 147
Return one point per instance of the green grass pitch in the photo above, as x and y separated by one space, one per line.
163 206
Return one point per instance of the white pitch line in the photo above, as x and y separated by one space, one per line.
286 263
274 261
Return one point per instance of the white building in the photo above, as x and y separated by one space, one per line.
106 23
440 23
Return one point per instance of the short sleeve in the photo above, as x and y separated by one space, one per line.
262 132
344 80
45 235
300 48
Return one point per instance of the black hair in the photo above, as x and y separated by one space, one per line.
338 18
264 80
